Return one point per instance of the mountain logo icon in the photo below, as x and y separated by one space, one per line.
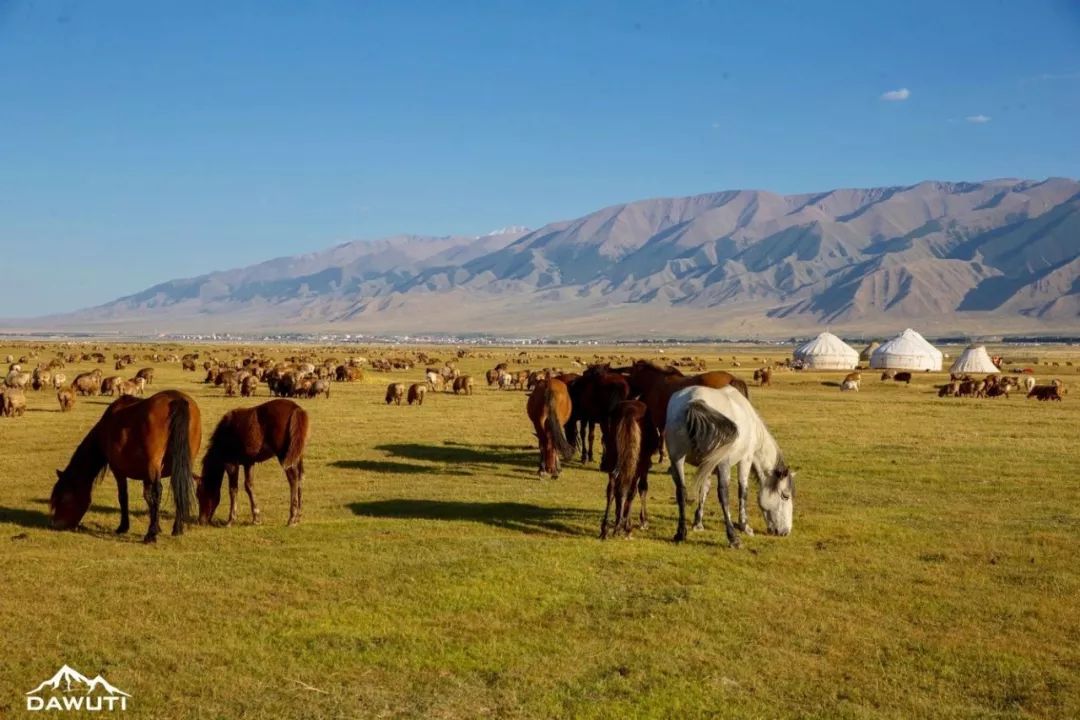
70 690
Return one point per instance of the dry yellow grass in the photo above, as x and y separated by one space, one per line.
932 571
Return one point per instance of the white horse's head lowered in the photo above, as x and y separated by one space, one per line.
777 499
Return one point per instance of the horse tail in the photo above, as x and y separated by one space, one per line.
708 428
298 434
562 445
180 474
628 442
741 386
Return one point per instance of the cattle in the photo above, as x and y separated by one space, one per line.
416 393
904 377
87 383
395 392
248 386
108 385
66 397
12 402
463 384
1046 392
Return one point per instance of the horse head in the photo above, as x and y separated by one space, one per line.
777 499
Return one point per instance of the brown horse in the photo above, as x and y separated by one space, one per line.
632 440
245 436
655 386
137 439
549 409
593 397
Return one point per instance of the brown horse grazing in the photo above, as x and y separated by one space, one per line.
245 436
655 386
549 409
141 440
593 397
627 459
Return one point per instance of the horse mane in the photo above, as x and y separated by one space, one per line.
88 463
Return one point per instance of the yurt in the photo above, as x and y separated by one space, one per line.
827 352
907 351
868 351
974 359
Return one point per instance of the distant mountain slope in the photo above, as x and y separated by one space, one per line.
994 256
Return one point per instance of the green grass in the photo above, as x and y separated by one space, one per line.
932 571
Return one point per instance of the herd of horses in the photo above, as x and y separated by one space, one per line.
641 409
159 437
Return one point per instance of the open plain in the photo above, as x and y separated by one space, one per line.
932 570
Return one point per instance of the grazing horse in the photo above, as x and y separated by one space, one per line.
245 436
416 393
138 439
593 397
549 409
715 429
627 458
655 386
395 392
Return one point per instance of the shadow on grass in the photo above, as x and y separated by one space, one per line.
452 452
522 517
830 383
133 504
401 468
23 517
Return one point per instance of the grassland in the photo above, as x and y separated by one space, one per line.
932 572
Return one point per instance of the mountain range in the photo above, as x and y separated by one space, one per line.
994 257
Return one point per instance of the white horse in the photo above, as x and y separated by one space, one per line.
715 429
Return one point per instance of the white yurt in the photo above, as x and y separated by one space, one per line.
907 351
827 352
869 350
974 359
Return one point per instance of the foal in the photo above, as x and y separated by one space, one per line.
245 436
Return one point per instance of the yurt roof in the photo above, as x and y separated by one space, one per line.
826 344
909 342
974 359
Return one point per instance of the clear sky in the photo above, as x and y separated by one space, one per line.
142 141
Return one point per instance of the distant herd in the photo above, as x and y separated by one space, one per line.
633 405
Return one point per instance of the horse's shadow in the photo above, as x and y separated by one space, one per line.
521 517
399 468
455 452
25 518
831 383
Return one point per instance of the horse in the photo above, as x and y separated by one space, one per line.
715 429
416 393
246 436
395 392
140 440
627 459
549 409
593 397
655 386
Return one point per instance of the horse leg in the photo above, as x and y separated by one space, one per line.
678 475
152 495
628 502
643 491
592 438
723 477
299 490
294 495
703 494
249 487
607 508
234 483
744 489
663 443
122 495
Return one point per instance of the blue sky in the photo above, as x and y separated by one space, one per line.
141 141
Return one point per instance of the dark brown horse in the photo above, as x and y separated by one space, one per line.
245 436
655 386
549 409
138 439
628 451
594 396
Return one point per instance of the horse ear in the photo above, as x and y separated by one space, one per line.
59 475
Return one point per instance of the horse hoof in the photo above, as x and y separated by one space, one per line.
747 530
121 530
149 539
735 543
644 526
698 527
679 536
